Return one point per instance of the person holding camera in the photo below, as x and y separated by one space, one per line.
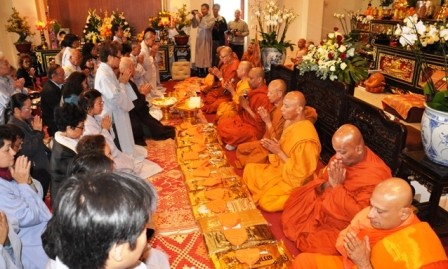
204 21
238 30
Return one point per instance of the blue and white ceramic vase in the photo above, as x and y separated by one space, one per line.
272 56
435 135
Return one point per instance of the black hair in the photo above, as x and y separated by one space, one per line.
5 134
69 39
109 49
52 70
125 49
68 115
18 100
115 28
87 99
16 132
92 213
90 164
91 144
73 84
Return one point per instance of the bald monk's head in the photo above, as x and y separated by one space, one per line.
390 204
276 91
293 108
349 145
243 69
256 77
226 54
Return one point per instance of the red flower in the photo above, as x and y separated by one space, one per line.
335 29
330 56
322 43
343 56
339 38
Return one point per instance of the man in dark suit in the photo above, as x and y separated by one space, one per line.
51 96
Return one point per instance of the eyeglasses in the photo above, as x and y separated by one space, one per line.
26 108
80 127
223 56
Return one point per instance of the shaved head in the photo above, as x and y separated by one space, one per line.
246 66
349 145
390 203
256 77
293 108
278 85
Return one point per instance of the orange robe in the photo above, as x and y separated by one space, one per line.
413 244
254 152
242 127
313 219
271 184
213 98
229 109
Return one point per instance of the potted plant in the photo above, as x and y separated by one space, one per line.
181 19
416 35
273 24
19 25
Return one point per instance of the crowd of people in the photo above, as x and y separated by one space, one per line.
88 151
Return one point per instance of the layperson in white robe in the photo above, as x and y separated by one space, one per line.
117 103
92 103
21 199
137 59
11 248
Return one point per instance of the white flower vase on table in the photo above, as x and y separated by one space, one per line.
435 135
272 56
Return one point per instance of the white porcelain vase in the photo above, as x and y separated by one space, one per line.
435 135
271 56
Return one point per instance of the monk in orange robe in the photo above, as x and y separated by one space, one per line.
252 54
254 152
229 109
387 234
315 213
292 161
247 124
225 74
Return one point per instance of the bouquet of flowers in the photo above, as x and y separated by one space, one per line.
19 25
273 23
181 19
91 30
100 29
156 22
335 58
417 35
119 19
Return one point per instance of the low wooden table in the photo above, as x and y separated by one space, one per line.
435 178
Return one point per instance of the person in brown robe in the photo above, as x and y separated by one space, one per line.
247 125
226 73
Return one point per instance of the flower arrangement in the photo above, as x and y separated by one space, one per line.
100 29
273 23
159 21
19 25
335 58
119 19
417 35
181 19
92 28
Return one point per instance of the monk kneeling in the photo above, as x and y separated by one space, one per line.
292 161
387 234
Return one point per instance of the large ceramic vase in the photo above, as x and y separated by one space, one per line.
271 56
23 47
435 135
181 40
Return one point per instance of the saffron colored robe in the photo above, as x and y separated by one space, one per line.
254 152
229 109
313 219
271 184
215 97
413 244
242 127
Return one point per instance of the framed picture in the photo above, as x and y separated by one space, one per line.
46 58
164 63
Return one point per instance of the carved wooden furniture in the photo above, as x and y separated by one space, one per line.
435 178
282 72
329 100
384 137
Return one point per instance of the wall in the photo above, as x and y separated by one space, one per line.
28 8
